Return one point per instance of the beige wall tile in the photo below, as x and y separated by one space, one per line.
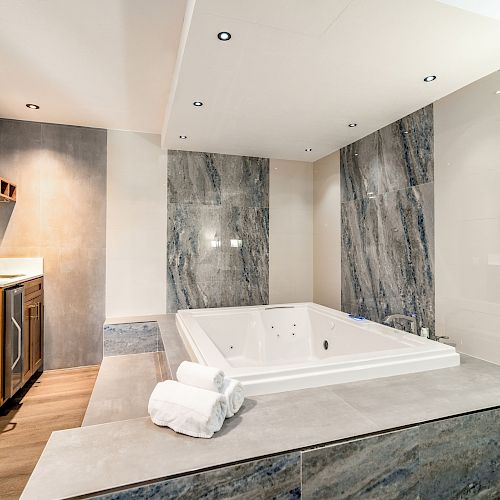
467 217
327 232
290 231
60 215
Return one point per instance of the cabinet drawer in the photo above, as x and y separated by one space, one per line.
33 288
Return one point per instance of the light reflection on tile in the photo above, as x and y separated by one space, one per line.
217 230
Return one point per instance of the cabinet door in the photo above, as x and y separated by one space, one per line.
29 312
36 336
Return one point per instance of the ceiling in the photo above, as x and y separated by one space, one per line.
89 62
293 76
295 73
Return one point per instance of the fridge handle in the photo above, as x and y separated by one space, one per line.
19 343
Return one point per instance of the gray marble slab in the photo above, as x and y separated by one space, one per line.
277 477
194 243
193 178
406 253
360 263
359 169
131 338
384 466
244 180
217 230
406 151
460 457
387 222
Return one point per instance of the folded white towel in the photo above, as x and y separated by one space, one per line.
233 392
188 410
205 377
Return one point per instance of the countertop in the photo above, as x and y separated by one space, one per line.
21 269
100 457
8 282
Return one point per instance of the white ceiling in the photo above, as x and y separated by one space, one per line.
489 8
99 63
292 77
296 72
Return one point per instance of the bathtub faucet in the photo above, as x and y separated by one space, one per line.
411 319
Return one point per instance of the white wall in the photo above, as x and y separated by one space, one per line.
135 225
467 211
327 232
290 231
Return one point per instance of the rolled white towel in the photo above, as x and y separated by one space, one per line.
233 392
186 409
205 377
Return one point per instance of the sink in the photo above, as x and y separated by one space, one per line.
10 276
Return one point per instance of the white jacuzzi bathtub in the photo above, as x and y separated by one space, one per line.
296 346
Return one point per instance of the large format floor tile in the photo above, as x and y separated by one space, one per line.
123 387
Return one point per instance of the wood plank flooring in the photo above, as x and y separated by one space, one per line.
56 400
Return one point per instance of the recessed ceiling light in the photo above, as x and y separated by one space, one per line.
308 150
33 106
197 103
497 92
224 36
430 78
353 125
183 137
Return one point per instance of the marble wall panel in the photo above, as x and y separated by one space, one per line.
359 169
277 477
387 219
406 151
193 178
217 230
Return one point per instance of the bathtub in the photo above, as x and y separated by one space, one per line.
297 346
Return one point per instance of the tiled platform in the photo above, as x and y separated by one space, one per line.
123 386
286 426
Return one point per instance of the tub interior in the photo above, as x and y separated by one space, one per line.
271 336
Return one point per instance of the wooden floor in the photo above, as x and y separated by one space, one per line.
56 400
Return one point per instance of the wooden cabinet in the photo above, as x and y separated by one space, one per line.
33 327
32 339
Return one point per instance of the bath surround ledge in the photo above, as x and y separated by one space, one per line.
305 432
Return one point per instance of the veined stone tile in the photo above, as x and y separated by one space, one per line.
192 177
244 180
245 244
359 251
194 241
277 477
406 250
460 457
406 151
387 219
188 295
359 169
217 230
384 466
130 338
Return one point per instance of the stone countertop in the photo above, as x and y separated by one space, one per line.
22 269
96 458
8 282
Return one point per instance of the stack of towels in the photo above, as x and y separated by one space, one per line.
198 403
